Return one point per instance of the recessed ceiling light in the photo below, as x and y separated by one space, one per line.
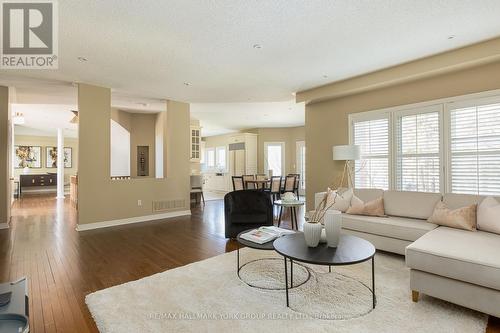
82 59
257 46
187 84
451 36
325 76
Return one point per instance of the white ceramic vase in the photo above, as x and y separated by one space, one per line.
312 233
333 227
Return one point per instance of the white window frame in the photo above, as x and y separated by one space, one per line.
375 115
217 152
439 108
446 104
448 107
283 161
207 151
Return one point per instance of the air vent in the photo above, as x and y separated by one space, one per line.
166 205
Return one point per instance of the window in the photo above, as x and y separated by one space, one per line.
475 149
450 145
210 158
372 171
418 162
274 157
221 158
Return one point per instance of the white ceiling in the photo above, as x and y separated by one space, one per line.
150 48
45 119
221 118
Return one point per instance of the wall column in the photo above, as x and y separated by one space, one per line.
60 163
5 151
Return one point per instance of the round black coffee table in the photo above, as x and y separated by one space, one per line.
351 250
265 246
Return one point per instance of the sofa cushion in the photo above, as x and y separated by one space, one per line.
419 205
488 215
395 227
368 194
370 208
458 254
455 200
461 218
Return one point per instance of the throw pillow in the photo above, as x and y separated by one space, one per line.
488 215
460 218
339 200
371 208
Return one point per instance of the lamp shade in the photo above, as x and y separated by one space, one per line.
346 153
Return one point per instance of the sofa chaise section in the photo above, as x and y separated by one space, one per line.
459 266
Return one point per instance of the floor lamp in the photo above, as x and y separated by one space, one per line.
347 153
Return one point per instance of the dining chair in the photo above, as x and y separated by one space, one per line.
289 184
238 183
249 186
297 183
275 189
261 186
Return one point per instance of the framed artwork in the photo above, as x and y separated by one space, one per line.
28 156
51 157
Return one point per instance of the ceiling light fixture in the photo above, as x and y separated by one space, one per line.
257 46
325 76
187 84
82 59
451 36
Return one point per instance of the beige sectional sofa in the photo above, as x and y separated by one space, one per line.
456 265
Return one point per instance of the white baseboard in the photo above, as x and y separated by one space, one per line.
4 225
138 219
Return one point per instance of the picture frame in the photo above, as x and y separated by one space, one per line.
51 157
27 156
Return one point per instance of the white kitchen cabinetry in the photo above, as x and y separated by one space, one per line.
195 144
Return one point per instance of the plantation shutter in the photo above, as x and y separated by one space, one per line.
418 162
475 149
372 171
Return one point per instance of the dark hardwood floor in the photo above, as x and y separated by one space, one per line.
63 266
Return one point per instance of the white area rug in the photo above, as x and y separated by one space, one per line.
208 296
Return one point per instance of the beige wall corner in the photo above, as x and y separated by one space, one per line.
327 122
451 61
108 202
5 154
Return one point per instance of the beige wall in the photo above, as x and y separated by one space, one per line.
5 153
288 135
142 129
100 198
327 122
44 142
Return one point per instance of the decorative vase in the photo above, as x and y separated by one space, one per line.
333 226
312 233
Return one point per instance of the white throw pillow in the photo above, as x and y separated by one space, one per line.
339 201
488 215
